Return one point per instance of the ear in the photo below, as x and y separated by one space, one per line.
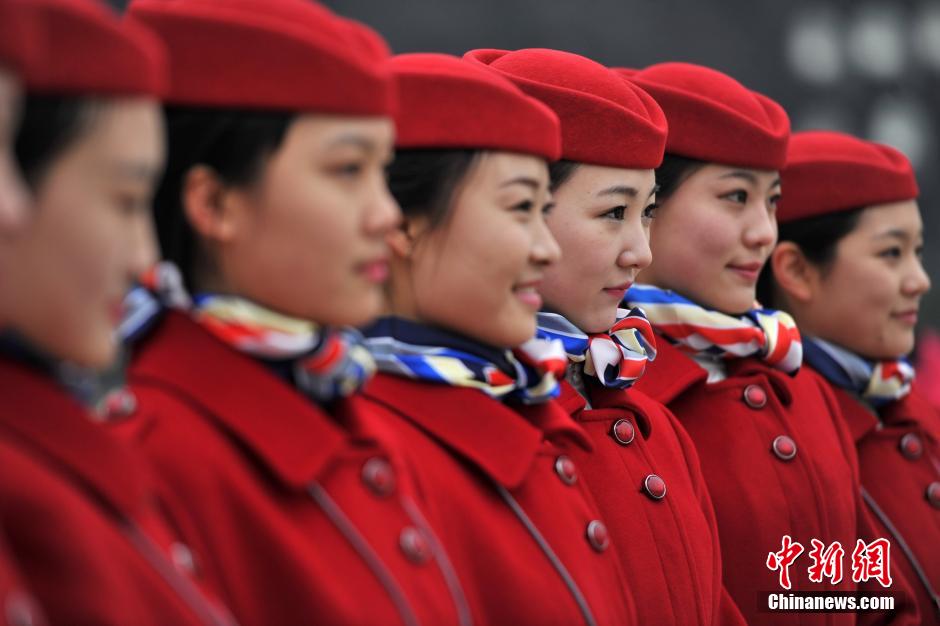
208 204
793 272
404 239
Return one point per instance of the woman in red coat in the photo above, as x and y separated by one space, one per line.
779 465
643 470
274 207
79 510
848 268
491 451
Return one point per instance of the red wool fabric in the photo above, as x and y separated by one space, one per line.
605 120
712 117
19 49
447 102
827 172
291 55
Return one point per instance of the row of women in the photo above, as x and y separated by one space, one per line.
562 404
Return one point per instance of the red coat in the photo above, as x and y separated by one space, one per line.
668 546
81 517
899 456
17 606
777 462
475 460
302 520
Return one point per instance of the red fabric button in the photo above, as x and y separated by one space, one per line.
414 545
911 446
379 477
784 448
598 536
655 487
933 494
755 396
118 404
623 432
566 470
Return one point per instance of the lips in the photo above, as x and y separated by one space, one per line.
906 317
528 294
749 271
620 290
375 271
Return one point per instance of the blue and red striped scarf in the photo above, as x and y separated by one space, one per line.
528 374
877 382
617 358
762 333
323 363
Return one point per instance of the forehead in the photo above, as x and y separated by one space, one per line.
901 216
498 168
717 172
334 131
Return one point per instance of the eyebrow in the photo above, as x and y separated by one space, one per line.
355 140
140 171
522 180
749 177
899 233
619 190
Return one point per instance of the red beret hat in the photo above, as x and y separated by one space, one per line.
605 120
447 102
714 118
87 50
19 38
293 55
828 172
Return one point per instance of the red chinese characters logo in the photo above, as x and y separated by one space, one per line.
869 561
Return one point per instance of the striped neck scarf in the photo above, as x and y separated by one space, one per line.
528 374
617 358
323 363
877 382
763 333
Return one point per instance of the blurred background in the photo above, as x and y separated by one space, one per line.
869 67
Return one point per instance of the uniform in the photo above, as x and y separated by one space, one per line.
644 473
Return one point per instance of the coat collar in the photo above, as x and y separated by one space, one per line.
675 372
914 410
37 412
294 437
500 440
604 398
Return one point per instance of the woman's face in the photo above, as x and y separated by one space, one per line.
601 221
480 272
89 234
713 234
308 239
867 300
13 195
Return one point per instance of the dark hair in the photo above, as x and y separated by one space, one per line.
234 143
49 125
559 172
673 171
817 238
424 181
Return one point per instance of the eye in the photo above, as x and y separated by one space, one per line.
130 204
525 206
548 208
739 196
650 211
892 253
919 251
349 169
615 213
774 200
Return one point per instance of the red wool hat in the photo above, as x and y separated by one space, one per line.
19 37
605 120
447 102
714 118
827 172
292 55
87 50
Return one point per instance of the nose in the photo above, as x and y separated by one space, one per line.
760 230
383 213
635 251
917 281
545 250
144 249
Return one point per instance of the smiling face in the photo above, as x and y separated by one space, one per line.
601 221
713 234
89 235
480 271
867 298
308 237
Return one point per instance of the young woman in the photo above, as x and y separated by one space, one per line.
79 510
490 451
848 269
275 210
778 464
643 469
